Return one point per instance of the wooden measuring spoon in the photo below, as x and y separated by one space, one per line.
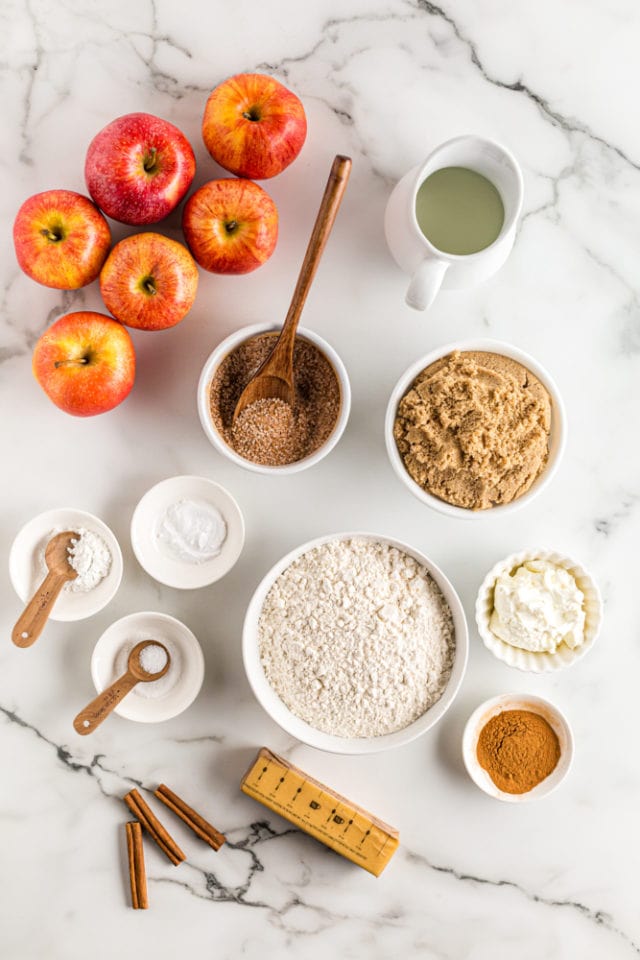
100 708
274 378
56 556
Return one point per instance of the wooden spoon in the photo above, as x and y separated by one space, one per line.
274 378
56 556
100 708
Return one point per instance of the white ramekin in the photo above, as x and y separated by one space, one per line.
513 701
557 436
140 626
293 725
526 659
27 569
204 384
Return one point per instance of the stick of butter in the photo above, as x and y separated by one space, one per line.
320 811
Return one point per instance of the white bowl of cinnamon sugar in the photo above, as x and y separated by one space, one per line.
475 429
517 747
269 437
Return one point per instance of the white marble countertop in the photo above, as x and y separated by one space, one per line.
383 82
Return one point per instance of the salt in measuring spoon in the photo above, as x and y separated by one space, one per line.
100 708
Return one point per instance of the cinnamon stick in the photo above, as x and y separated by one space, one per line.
137 872
201 827
154 828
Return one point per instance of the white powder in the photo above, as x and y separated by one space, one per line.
89 555
91 558
153 658
192 531
150 689
356 638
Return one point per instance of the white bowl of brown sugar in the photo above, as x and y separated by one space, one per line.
271 438
475 429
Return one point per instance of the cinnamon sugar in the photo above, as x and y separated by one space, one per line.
270 432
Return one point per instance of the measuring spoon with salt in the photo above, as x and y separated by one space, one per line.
100 708
56 556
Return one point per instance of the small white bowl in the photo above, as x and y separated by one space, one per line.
293 725
108 661
557 435
513 701
204 385
161 566
26 561
526 659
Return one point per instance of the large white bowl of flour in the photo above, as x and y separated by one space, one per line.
355 643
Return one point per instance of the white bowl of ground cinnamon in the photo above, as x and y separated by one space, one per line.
476 428
517 747
270 437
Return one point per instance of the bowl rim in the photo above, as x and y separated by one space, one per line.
304 732
557 433
185 573
529 661
517 701
225 347
195 652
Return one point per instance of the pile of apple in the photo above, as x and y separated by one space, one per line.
137 170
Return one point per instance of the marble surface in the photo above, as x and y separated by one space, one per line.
383 82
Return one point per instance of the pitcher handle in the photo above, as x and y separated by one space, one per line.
425 283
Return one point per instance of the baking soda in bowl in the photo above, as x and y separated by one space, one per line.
192 531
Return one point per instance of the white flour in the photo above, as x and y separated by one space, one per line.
356 638
89 556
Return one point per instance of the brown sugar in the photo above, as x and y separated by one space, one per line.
518 749
473 429
270 432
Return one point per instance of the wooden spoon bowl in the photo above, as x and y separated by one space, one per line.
101 706
274 380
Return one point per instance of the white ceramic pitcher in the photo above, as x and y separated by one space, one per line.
429 267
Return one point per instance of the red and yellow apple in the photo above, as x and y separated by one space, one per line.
85 363
231 226
61 239
253 126
138 168
149 281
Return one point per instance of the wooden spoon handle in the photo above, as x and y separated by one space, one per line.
31 624
333 193
100 708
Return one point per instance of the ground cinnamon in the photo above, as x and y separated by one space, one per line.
518 749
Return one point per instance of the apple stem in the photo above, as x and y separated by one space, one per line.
149 285
63 363
53 235
251 114
231 225
149 162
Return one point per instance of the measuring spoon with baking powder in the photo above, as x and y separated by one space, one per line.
56 556
100 708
